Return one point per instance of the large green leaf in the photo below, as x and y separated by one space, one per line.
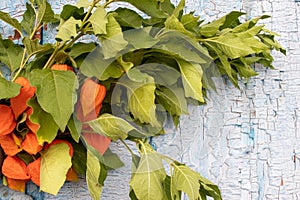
48 128
111 126
28 19
8 89
147 181
231 19
141 96
186 180
45 12
93 172
81 48
10 54
140 38
98 20
56 93
150 7
71 11
74 127
173 23
249 24
128 18
55 163
179 45
191 79
95 65
68 29
173 100
11 21
112 42
234 46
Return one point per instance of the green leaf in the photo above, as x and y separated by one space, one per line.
128 18
81 48
243 68
172 99
140 38
248 24
141 96
181 46
8 89
112 42
56 93
68 29
234 46
173 23
95 65
74 127
71 11
84 3
11 21
10 54
179 9
190 22
111 126
28 19
150 7
99 21
147 181
48 128
231 19
32 46
53 170
210 189
79 157
93 172
186 180
45 12
191 79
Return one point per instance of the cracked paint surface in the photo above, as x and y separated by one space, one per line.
245 141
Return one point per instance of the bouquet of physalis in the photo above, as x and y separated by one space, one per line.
114 74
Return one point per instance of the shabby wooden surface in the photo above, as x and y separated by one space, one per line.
245 141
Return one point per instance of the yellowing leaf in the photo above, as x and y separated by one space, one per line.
99 21
191 78
92 176
68 29
186 180
55 164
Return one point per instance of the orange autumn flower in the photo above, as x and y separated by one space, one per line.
10 144
30 144
62 67
33 169
98 142
7 120
19 103
90 102
72 175
18 185
14 168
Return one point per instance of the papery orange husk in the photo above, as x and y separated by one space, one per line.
92 95
9 145
34 169
90 116
7 120
19 103
15 168
72 175
58 141
31 144
62 67
18 185
32 126
98 142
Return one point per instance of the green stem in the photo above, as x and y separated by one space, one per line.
23 63
51 59
1 74
127 147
